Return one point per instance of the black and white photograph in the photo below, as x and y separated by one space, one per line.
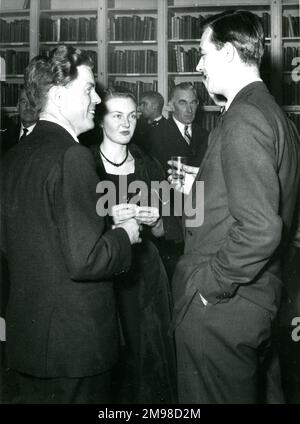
150 205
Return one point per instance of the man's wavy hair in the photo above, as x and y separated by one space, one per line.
241 28
59 68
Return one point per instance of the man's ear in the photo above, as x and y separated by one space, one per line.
229 51
55 94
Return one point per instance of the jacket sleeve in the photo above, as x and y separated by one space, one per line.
91 252
248 161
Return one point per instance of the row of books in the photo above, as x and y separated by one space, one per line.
291 26
289 54
137 88
190 27
68 29
181 60
14 31
132 28
16 61
133 61
10 94
291 93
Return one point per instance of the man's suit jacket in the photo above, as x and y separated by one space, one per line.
165 140
251 176
141 131
10 132
61 318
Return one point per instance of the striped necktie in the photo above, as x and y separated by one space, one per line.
187 135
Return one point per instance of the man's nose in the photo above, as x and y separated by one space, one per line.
189 108
199 67
95 98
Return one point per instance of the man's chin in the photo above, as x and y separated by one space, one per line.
90 125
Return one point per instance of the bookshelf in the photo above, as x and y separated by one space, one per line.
14 49
132 45
73 22
146 44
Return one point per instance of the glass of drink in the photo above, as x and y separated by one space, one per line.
178 174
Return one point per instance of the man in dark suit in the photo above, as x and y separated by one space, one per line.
62 330
13 133
228 282
151 108
179 135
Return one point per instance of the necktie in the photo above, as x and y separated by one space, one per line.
25 131
222 113
187 135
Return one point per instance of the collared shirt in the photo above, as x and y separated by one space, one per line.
181 127
29 130
44 116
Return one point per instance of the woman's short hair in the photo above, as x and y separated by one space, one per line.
112 93
116 93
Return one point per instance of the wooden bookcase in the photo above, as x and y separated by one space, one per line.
145 44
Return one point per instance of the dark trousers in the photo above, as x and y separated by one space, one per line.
27 389
224 354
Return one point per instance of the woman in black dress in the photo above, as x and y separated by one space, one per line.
147 368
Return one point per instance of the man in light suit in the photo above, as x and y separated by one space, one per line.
228 282
62 329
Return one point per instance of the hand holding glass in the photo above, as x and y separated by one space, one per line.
178 173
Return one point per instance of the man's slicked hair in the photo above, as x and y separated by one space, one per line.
59 68
241 28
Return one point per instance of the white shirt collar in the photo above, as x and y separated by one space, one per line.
45 116
156 119
29 129
181 126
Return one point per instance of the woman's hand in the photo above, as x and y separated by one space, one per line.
123 212
147 215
